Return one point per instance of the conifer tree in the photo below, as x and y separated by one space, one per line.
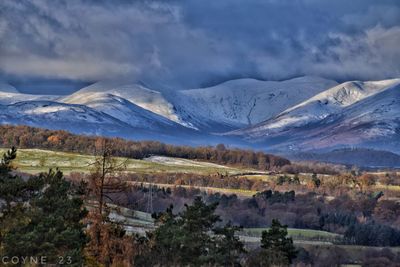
229 248
14 191
50 225
192 239
278 249
11 186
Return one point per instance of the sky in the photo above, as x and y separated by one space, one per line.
58 46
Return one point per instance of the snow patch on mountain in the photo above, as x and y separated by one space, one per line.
322 105
372 122
245 102
125 111
227 106
139 95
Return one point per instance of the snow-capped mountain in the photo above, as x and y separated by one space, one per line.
137 94
245 102
49 114
320 106
12 98
230 105
298 114
93 113
83 119
350 114
10 95
124 111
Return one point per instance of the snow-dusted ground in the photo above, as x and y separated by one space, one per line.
182 162
7 98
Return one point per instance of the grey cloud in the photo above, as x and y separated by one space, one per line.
191 43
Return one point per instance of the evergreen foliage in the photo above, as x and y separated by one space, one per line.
278 249
192 239
42 216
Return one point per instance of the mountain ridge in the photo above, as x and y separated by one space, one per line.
299 114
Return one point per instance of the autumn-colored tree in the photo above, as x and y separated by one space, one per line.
55 139
108 244
366 180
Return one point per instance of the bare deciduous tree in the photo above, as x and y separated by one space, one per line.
109 244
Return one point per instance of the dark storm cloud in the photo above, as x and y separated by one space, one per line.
189 43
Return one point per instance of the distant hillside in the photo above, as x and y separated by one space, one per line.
353 156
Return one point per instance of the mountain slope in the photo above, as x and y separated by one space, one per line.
127 112
299 114
139 95
373 121
76 118
322 105
7 98
248 101
227 106
82 119
10 95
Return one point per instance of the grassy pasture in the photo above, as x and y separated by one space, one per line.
36 160
296 234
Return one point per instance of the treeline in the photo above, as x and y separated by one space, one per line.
198 180
302 211
30 137
313 167
367 234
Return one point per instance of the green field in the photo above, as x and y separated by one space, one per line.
296 234
36 160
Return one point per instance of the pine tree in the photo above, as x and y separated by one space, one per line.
11 186
51 224
165 242
315 180
192 239
6 161
14 191
197 222
278 248
229 248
